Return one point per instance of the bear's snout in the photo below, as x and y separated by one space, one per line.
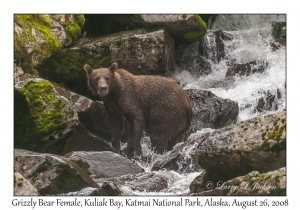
103 90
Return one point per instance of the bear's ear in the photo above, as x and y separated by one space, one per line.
113 66
88 69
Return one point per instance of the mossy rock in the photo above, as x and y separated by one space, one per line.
41 116
37 36
183 28
66 69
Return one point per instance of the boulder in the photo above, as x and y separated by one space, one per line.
51 174
141 182
37 36
41 116
253 184
22 187
188 58
180 26
268 101
105 164
82 139
210 111
138 51
258 144
91 114
247 68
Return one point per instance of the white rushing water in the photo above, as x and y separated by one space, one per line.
251 42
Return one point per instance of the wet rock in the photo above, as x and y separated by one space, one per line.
247 68
180 26
197 184
213 45
51 174
105 164
210 111
255 183
139 51
182 158
142 182
268 101
38 36
42 117
22 187
83 140
279 35
188 58
256 144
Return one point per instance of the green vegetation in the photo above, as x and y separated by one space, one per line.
38 112
84 165
274 134
35 35
67 68
191 36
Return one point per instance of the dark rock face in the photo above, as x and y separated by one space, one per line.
105 164
210 111
103 24
83 140
213 45
143 182
256 144
247 68
51 174
188 58
279 35
252 184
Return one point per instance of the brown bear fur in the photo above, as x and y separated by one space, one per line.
155 104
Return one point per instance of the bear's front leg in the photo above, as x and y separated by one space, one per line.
116 122
133 145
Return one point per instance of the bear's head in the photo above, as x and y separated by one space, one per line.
100 80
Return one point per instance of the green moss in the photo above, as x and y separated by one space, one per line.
84 165
38 113
275 134
183 15
67 69
191 36
20 183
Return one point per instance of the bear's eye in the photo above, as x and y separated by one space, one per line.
97 78
107 78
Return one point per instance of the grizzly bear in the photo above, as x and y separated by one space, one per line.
154 104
